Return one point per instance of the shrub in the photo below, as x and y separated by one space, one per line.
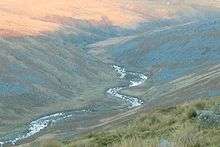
191 113
106 139
201 105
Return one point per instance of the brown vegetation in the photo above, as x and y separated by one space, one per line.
31 17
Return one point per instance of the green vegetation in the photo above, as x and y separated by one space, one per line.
177 126
172 126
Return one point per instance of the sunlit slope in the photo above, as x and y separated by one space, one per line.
32 17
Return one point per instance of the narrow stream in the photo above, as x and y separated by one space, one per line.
136 80
39 124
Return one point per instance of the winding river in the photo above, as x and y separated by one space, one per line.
40 124
136 80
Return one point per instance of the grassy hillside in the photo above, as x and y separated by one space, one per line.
168 49
193 124
56 57
181 56
50 73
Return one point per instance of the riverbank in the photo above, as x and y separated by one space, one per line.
186 124
42 123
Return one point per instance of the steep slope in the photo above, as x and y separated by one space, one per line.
181 58
56 55
44 65
168 51
49 73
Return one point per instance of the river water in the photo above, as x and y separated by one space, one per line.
137 80
40 124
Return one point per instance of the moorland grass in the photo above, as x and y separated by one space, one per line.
171 126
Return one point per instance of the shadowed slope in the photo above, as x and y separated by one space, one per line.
40 75
46 72
170 50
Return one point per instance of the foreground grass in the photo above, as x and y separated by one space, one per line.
172 126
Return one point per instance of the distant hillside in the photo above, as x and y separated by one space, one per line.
40 16
49 73
180 57
57 56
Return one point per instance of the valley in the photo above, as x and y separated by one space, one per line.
70 68
44 122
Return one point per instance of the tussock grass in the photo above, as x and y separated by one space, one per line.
50 143
171 126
